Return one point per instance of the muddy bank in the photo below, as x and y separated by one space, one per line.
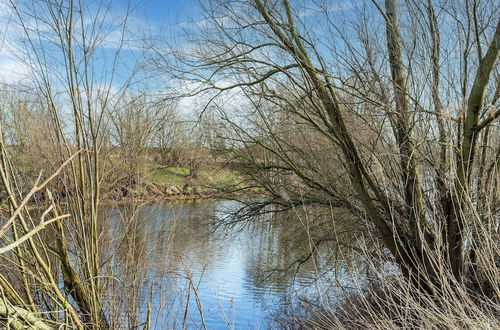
152 192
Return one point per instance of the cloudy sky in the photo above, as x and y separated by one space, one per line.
161 23
150 16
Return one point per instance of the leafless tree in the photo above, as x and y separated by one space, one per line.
140 128
63 44
384 108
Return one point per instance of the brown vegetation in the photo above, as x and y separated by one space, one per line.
389 113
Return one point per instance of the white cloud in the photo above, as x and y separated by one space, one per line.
12 70
193 99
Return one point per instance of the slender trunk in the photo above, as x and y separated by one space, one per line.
475 104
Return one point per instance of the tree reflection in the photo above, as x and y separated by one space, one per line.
273 259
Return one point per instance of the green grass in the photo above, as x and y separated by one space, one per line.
208 177
219 177
170 175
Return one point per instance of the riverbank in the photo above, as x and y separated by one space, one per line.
164 184
176 184
149 193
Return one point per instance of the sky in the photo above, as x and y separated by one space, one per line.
164 16
167 11
168 20
165 19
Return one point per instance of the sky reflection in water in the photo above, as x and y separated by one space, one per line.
231 268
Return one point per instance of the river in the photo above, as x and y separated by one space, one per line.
171 257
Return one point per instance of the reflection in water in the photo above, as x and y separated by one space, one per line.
170 256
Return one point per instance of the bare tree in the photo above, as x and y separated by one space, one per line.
355 85
64 43
140 127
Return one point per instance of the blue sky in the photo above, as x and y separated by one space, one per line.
167 11
165 19
157 16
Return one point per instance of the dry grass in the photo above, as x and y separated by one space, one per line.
391 301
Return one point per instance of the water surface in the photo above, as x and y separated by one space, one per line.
172 256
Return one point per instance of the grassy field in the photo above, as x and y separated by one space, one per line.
207 177
165 175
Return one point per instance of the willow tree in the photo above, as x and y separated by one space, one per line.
402 98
